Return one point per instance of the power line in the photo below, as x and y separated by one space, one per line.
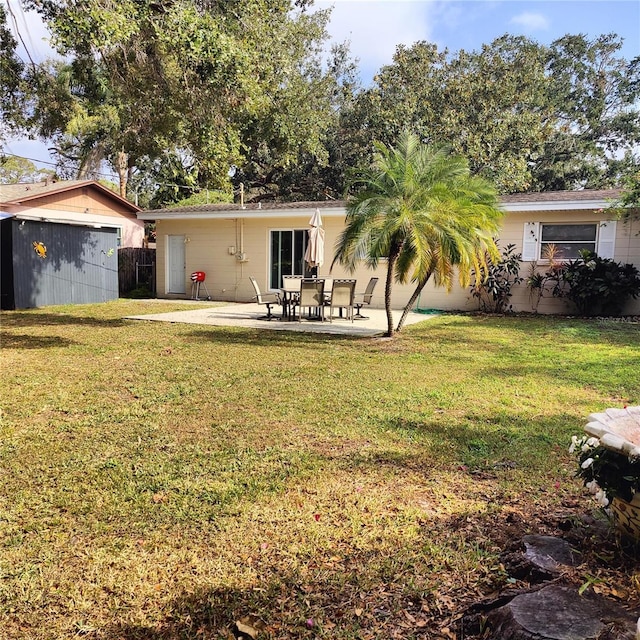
36 51
54 164
15 24
106 175
15 155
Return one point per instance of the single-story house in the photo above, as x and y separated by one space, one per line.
231 242
59 242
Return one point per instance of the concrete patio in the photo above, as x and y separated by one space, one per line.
247 314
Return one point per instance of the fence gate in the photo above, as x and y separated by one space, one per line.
136 269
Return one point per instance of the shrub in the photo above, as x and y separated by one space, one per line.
541 282
494 291
598 285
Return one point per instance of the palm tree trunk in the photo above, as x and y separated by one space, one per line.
393 256
414 296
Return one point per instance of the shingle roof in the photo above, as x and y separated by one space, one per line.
563 196
253 206
586 195
24 191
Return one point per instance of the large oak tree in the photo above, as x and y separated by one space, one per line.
211 83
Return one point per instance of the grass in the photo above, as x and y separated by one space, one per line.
165 481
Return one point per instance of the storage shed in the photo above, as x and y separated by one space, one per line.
59 243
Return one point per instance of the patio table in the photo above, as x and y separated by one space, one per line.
287 296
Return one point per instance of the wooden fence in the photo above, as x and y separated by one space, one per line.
136 269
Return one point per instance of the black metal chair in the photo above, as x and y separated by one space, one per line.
364 298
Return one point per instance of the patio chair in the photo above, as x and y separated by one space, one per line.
268 299
291 284
342 295
364 298
290 294
311 297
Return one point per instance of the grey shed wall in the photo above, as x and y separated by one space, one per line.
81 264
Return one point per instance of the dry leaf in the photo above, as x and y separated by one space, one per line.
251 625
446 632
358 611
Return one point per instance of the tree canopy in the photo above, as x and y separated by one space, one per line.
528 116
14 169
212 83
175 92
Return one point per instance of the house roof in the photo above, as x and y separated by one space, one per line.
24 192
542 201
249 210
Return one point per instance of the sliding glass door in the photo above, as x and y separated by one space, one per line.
287 248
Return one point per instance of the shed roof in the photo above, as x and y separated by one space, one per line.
29 191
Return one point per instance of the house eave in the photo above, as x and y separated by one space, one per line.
545 201
236 214
568 205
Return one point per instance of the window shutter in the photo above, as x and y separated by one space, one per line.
530 241
606 239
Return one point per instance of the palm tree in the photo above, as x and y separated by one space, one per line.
420 208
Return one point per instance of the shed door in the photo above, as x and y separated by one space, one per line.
176 265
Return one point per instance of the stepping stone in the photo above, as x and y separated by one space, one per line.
559 613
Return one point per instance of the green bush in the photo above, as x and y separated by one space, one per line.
494 291
597 286
139 293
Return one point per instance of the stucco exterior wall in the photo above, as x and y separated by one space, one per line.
211 245
627 250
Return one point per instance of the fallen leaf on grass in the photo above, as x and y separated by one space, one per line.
251 625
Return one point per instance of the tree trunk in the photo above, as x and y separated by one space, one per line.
559 613
393 256
412 299
122 161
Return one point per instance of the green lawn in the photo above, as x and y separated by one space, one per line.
163 481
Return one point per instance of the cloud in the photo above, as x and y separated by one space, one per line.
375 28
531 21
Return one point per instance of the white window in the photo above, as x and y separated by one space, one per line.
119 237
569 239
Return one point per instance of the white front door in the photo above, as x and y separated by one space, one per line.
176 265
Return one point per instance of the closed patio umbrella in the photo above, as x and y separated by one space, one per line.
314 255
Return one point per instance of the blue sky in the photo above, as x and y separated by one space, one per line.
375 27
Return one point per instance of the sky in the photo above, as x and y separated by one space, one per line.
374 28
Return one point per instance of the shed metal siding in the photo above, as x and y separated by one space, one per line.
81 264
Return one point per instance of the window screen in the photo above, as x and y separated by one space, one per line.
568 239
